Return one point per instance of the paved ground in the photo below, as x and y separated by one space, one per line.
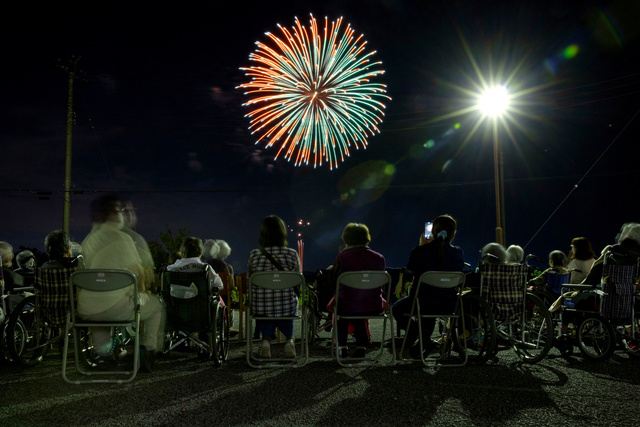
184 391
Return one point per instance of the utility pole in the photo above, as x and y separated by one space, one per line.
71 72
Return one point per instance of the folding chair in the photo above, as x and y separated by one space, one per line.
241 285
452 326
364 280
277 280
101 281
195 317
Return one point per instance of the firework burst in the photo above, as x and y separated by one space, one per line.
312 94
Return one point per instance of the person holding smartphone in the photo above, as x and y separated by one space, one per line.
437 254
427 236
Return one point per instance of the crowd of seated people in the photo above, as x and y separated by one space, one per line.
113 243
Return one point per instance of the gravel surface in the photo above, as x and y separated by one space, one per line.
184 391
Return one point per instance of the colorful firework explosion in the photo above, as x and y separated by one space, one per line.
312 93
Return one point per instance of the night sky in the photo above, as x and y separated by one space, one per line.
158 119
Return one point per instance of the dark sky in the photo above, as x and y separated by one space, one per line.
158 119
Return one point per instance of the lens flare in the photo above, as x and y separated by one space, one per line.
312 94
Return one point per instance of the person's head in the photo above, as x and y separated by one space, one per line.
191 247
224 250
581 249
210 249
57 245
557 258
107 208
356 234
273 232
630 230
444 230
6 252
444 227
494 253
26 259
515 254
129 215
76 249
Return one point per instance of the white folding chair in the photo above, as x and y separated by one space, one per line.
101 281
452 321
277 281
363 280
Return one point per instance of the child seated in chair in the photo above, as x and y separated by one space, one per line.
557 260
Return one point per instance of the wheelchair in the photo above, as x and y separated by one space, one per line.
598 318
478 335
37 322
195 318
318 294
522 320
552 289
8 303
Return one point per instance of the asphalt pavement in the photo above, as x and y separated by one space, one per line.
186 391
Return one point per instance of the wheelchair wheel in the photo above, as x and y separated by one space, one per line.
312 317
547 297
596 338
312 325
27 335
479 331
219 336
533 331
88 355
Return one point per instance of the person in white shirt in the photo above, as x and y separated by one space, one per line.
192 251
107 246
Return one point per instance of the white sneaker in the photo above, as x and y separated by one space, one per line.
265 350
290 348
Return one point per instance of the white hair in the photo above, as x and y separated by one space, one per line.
515 253
25 259
630 230
6 252
210 249
224 250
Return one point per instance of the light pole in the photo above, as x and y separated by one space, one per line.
493 103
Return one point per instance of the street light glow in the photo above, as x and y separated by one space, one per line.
494 101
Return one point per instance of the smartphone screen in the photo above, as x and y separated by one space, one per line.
427 229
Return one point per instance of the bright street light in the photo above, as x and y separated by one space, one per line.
493 103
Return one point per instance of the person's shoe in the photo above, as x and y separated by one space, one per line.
342 353
146 360
359 353
289 348
265 349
